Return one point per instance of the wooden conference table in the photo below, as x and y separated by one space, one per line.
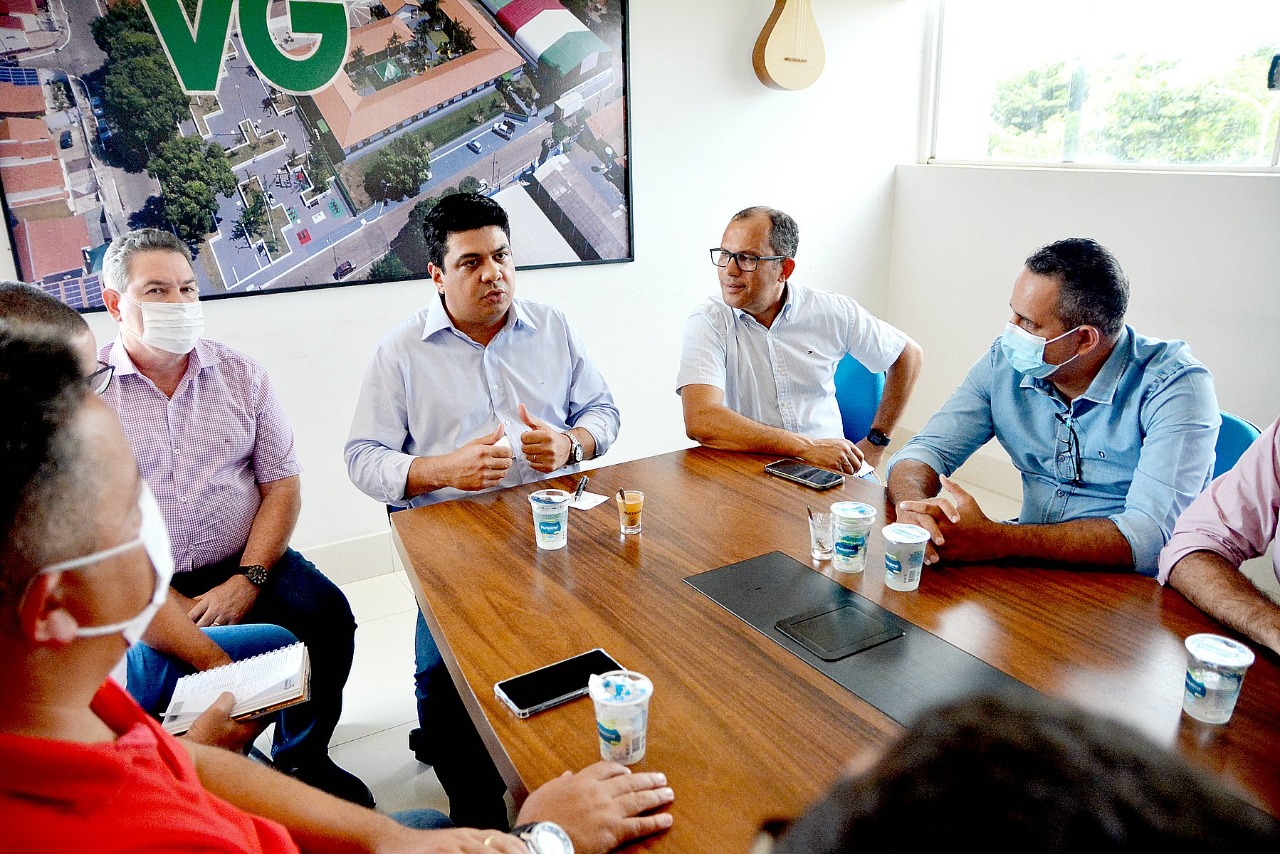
744 730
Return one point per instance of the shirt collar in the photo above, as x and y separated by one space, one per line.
788 302
437 319
201 357
1103 388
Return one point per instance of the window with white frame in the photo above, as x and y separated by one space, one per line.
1160 83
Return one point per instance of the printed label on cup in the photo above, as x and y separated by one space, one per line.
550 518
621 699
904 547
850 527
1216 667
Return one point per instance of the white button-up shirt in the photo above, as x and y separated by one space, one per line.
784 375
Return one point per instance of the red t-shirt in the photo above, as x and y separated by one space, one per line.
137 793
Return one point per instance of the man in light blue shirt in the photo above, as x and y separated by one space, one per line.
757 370
436 399
476 392
1112 431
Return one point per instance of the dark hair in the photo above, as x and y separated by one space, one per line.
1027 774
26 304
784 234
41 481
1094 290
460 212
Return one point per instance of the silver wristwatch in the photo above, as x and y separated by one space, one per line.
543 837
575 449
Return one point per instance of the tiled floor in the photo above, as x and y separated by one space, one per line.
372 739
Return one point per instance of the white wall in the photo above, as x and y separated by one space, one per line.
707 140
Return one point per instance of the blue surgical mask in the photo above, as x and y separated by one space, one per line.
1025 351
154 537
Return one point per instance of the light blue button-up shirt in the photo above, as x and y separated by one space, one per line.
1146 429
429 389
784 375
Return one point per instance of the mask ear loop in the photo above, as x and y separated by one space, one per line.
1062 364
76 563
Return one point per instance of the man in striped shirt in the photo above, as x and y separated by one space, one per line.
212 441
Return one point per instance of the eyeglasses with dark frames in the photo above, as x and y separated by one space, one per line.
101 378
1072 441
746 263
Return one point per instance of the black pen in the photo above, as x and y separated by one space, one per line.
582 486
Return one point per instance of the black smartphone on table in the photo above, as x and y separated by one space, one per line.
801 472
546 687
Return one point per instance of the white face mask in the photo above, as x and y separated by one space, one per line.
154 537
171 326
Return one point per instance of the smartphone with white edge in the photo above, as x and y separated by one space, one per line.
547 687
803 473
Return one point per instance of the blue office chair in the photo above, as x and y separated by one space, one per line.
858 394
1234 438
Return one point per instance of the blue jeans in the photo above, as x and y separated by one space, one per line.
461 761
422 819
299 598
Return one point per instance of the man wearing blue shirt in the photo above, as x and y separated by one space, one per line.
1112 431
757 370
477 391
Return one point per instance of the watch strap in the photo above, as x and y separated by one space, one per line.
576 451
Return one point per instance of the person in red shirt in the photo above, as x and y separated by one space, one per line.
84 566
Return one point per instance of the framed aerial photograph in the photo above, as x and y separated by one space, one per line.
298 145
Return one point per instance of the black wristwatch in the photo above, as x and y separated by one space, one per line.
543 837
575 449
878 438
256 573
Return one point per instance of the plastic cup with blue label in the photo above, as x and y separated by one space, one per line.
1215 674
622 699
551 518
904 547
851 523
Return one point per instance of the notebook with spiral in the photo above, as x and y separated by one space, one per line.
262 684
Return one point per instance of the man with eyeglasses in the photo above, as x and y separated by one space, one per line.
172 645
757 370
1112 431
211 438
